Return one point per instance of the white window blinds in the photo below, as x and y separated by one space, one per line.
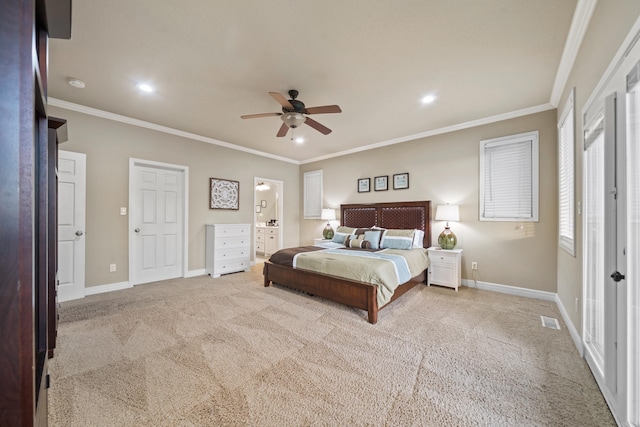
509 178
566 177
312 194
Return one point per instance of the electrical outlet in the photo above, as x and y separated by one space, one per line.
112 268
123 210
474 265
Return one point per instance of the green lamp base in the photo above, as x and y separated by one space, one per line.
327 233
447 240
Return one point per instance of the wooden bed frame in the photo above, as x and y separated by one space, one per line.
361 295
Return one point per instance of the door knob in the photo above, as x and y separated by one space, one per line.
137 230
79 233
617 276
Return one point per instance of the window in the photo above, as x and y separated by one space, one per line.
566 189
509 178
312 194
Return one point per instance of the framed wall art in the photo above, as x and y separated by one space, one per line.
224 194
381 183
363 185
400 181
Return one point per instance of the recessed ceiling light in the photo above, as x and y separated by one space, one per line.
77 83
299 140
145 87
428 99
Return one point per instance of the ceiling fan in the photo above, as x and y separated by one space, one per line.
294 113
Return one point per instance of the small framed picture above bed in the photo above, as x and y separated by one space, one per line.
364 185
400 181
381 183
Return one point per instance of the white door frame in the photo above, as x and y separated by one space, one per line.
133 163
281 222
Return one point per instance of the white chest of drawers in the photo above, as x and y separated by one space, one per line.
228 248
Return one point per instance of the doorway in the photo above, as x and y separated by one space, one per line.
269 219
610 228
72 171
157 221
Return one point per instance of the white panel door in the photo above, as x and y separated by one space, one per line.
157 222
71 225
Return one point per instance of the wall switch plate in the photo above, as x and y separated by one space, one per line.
123 210
112 268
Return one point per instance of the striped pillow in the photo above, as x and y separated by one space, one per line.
342 233
397 239
357 242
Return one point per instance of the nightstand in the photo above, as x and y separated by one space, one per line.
445 268
320 240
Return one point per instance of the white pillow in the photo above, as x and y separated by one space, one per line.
418 238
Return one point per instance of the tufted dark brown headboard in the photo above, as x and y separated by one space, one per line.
402 215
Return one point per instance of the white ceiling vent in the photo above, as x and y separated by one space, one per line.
550 322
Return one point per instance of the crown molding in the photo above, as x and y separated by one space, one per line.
159 128
579 25
440 131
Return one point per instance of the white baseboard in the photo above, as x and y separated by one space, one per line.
577 339
195 273
532 293
511 290
94 290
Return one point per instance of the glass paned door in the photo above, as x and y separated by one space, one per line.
633 246
594 238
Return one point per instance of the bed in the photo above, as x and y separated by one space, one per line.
354 293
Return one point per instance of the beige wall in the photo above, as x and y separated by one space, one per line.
109 145
609 25
443 169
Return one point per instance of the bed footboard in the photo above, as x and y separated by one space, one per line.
348 292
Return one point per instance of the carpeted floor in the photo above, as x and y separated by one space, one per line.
227 351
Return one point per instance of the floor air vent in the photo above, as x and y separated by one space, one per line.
550 322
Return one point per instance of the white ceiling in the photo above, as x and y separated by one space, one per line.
213 61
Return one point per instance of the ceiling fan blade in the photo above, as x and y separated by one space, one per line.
317 126
323 110
283 131
255 116
281 100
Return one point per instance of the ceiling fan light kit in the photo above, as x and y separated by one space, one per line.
294 113
293 120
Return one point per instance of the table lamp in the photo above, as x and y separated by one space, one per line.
446 239
329 215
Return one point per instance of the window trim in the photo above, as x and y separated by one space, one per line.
312 208
533 137
567 117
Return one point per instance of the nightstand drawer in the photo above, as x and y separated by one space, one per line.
443 258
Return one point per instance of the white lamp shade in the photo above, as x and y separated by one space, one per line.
328 214
447 213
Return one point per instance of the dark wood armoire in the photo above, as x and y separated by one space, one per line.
27 206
